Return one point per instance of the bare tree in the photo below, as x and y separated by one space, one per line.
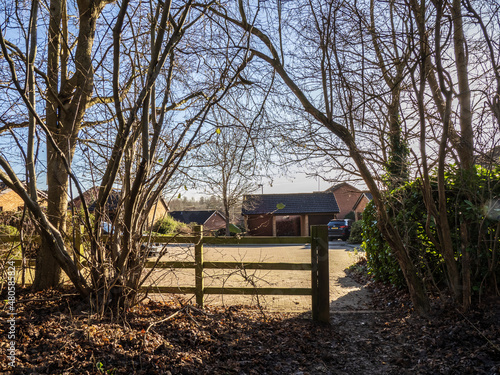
138 87
345 64
266 50
228 162
447 72
67 96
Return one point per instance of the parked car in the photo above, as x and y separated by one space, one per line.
339 229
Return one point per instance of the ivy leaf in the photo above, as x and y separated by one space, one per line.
280 206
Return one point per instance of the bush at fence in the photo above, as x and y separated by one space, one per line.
169 225
471 204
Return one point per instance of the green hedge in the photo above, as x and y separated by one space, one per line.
471 202
356 235
169 225
382 265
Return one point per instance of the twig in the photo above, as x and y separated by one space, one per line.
478 331
199 311
193 319
165 319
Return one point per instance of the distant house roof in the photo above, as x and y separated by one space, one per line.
365 194
333 188
89 195
111 202
198 217
40 193
300 203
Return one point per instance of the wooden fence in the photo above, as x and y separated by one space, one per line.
318 266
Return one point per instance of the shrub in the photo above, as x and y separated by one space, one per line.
471 204
382 265
356 232
169 225
8 230
350 215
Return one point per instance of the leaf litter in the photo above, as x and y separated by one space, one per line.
57 334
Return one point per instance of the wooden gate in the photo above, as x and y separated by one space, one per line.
319 268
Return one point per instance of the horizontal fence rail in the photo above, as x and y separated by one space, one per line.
233 265
319 266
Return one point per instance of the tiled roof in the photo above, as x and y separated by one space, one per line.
333 188
301 203
198 217
89 195
40 193
111 202
365 194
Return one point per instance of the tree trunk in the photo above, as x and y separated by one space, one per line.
226 213
466 147
66 104
414 281
48 271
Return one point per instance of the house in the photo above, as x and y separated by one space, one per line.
10 201
347 196
287 214
157 212
212 220
112 203
90 197
361 203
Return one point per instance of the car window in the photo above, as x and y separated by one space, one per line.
334 223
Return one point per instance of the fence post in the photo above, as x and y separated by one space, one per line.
198 259
314 272
320 274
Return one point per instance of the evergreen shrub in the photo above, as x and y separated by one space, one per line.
356 233
169 225
473 206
